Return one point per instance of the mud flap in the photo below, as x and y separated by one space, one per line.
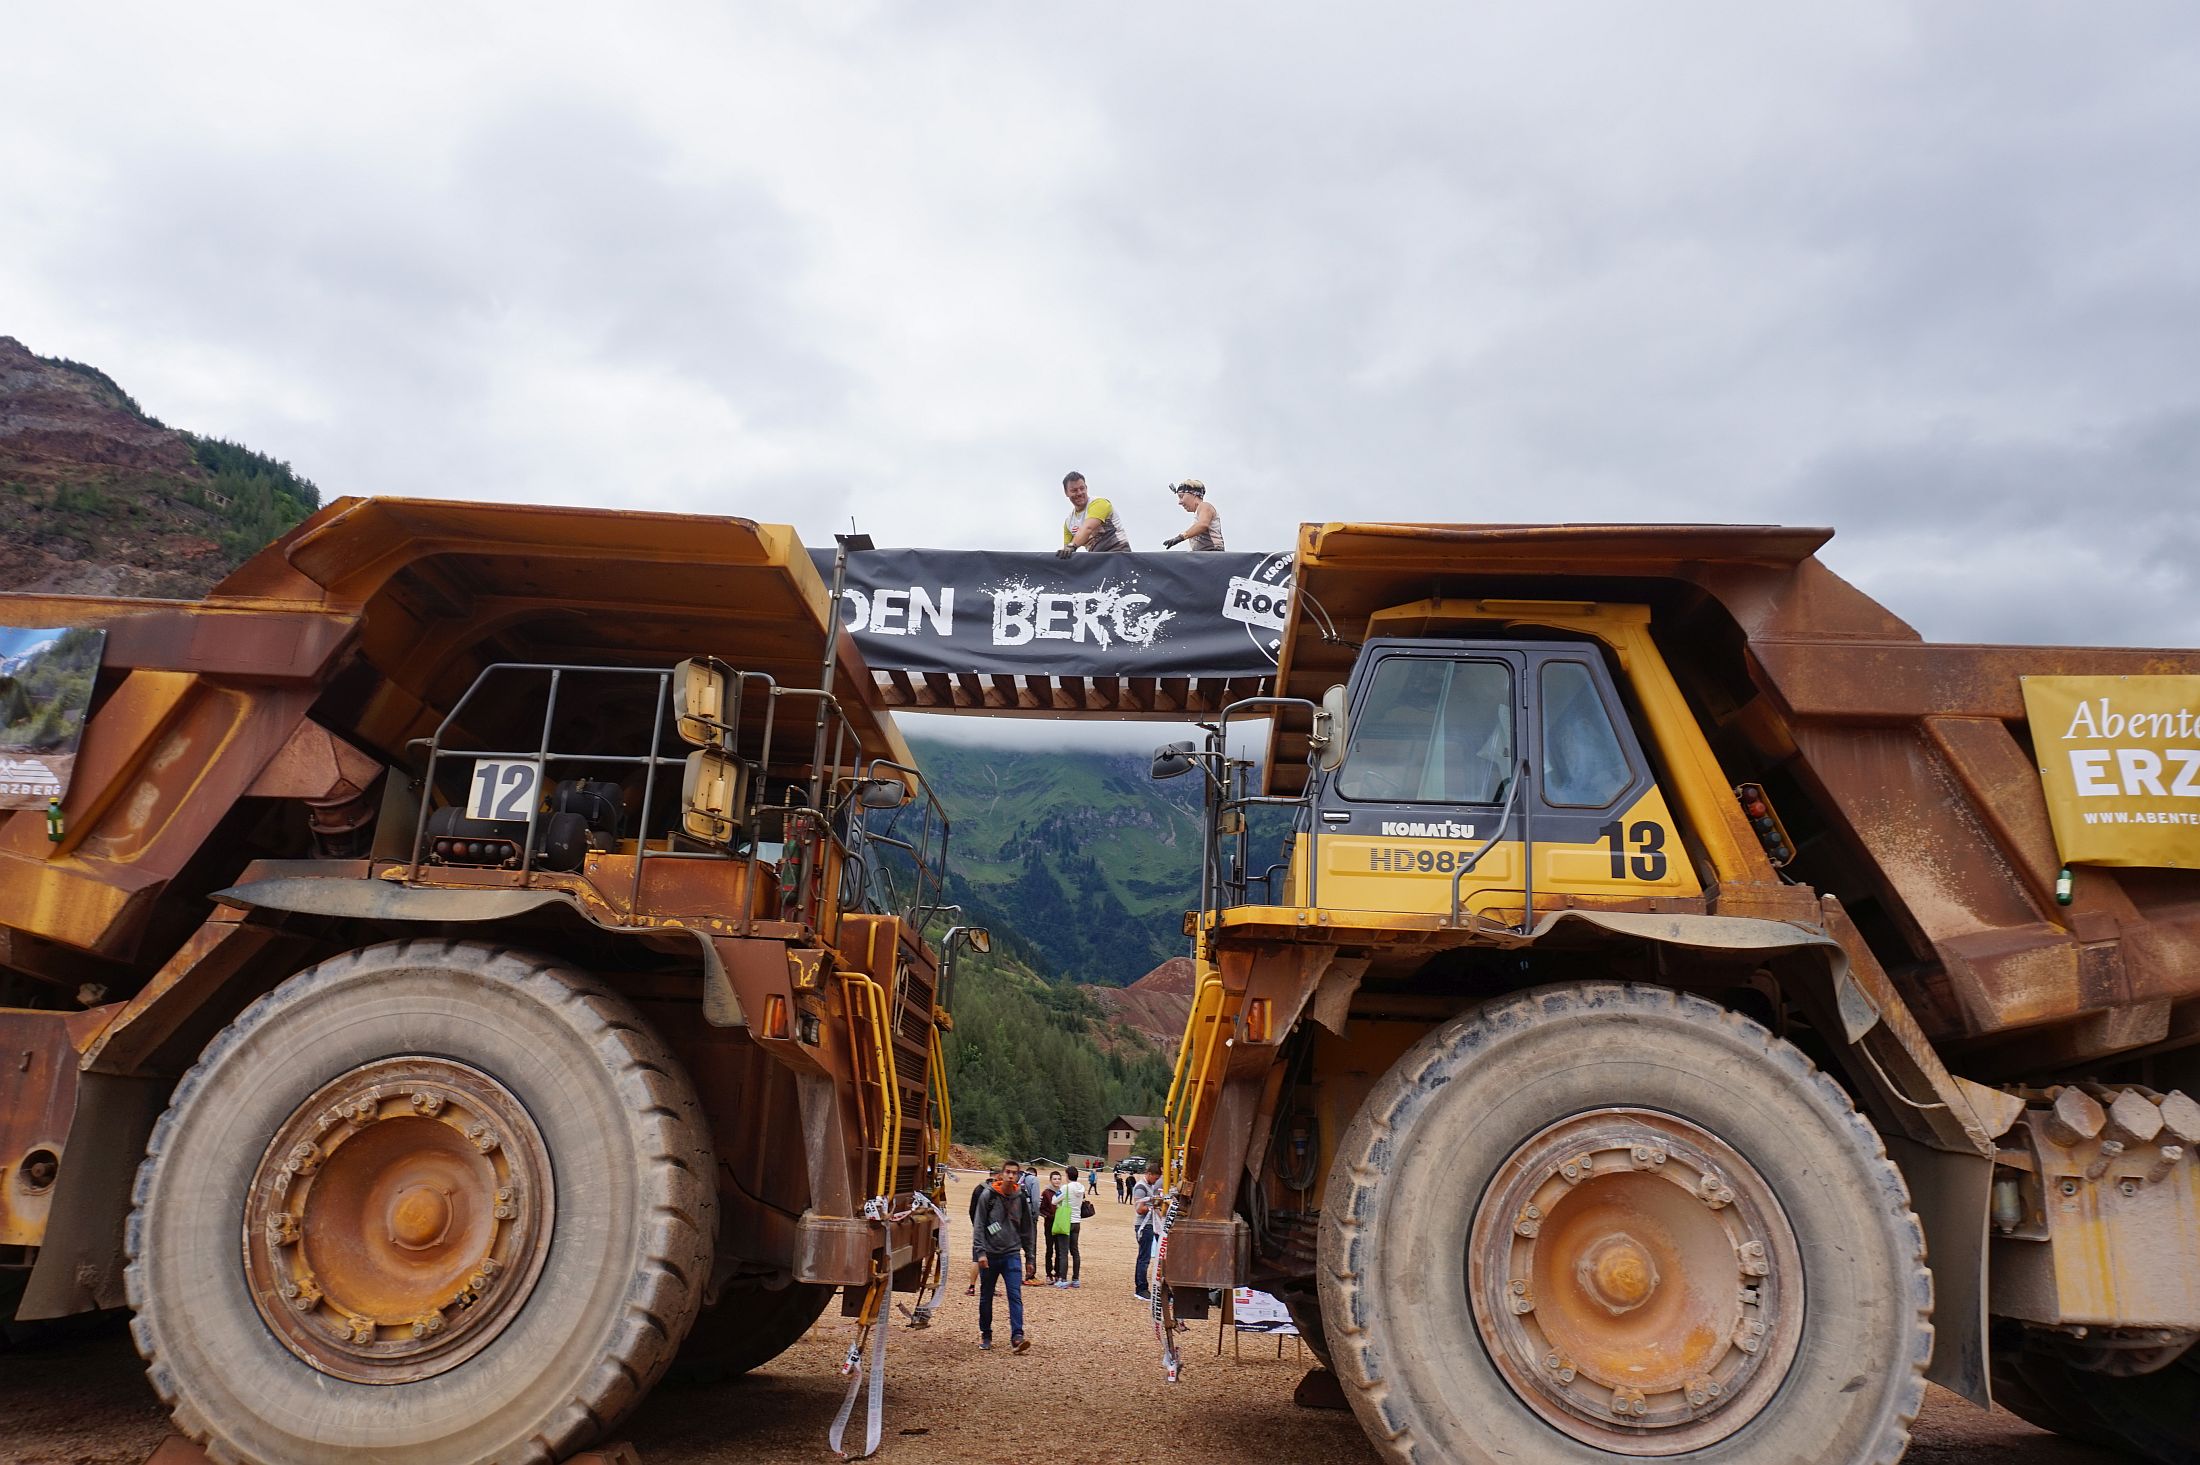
1953 1195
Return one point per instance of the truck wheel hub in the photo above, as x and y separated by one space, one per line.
1635 1281
421 1218
1619 1272
398 1220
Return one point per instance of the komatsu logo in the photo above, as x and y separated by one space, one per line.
1441 829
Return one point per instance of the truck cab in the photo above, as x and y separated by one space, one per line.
1460 756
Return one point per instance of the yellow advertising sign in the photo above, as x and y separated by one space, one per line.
2119 760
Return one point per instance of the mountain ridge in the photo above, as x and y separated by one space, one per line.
1083 832
99 497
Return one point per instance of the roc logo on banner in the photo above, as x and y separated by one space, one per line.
2119 761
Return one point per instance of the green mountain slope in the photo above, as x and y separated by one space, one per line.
1083 858
1036 1068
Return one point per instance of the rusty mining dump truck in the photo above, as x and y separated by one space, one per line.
472 948
1663 1033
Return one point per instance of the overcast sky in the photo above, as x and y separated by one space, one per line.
1929 274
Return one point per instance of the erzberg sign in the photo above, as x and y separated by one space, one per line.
1093 615
2119 761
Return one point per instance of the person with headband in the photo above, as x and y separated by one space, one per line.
1206 530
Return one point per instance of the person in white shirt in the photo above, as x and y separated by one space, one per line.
1071 1261
1148 1200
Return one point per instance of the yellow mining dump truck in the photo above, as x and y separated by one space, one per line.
473 943
1672 1026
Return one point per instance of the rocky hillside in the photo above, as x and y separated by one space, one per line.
1156 1006
98 497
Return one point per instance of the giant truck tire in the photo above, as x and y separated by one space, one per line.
748 1329
437 1201
1604 1222
2150 1416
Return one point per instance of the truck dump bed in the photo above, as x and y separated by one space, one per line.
1903 769
356 632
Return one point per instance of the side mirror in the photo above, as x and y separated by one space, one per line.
1332 730
1172 760
882 793
980 939
713 796
700 686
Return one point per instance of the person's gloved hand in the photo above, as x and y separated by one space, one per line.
1172 541
1065 551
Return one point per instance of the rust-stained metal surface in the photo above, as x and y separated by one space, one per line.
1905 764
1636 1282
398 1220
38 1083
1129 698
2097 1198
367 619
265 746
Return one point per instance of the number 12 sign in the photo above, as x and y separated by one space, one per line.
504 790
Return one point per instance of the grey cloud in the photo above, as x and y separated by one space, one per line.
2092 538
1922 273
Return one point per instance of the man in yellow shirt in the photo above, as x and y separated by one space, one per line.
1092 523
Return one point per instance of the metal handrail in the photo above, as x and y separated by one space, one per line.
884 1072
542 754
936 1070
1185 1086
743 687
1497 835
1225 883
930 865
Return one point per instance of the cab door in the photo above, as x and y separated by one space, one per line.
1601 827
1438 737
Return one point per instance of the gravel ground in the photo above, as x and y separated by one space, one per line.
1093 1373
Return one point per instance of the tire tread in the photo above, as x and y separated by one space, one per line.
1373 1135
674 1153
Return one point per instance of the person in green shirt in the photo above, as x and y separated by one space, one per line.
1092 523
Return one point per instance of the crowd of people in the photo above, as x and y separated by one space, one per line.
1014 1214
1096 526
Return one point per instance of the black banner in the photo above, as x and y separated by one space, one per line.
1092 615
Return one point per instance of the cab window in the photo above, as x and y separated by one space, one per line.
1583 763
1432 731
